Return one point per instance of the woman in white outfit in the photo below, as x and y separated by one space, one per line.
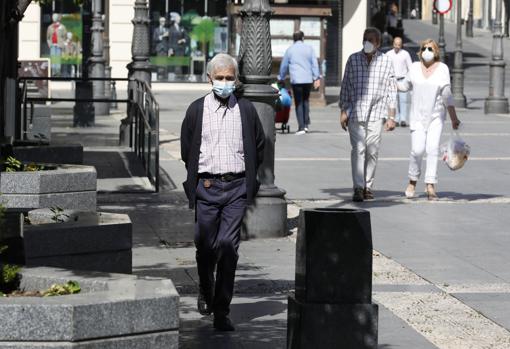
430 81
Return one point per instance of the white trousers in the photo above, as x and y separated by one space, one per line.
425 141
365 140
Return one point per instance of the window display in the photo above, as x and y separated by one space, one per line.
62 42
183 40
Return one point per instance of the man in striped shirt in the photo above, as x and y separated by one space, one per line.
222 146
367 102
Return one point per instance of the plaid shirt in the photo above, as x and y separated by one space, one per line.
222 149
368 90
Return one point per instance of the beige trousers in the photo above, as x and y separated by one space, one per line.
365 140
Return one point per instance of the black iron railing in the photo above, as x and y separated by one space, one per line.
142 118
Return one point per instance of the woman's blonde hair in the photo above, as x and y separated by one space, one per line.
435 47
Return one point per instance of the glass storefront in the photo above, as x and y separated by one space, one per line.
185 34
61 37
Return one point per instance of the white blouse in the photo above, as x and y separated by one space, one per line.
430 95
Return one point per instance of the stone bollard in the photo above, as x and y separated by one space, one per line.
332 306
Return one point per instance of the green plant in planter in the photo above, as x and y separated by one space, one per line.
70 287
8 273
11 164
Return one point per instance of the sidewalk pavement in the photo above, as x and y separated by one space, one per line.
441 274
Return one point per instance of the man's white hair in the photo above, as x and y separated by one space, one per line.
222 61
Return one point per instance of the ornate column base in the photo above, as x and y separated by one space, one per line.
459 99
496 103
267 217
97 70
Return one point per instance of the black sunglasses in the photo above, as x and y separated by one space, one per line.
427 48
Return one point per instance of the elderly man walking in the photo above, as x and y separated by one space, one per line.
367 103
301 62
401 64
222 145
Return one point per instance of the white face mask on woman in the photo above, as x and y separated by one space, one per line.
427 55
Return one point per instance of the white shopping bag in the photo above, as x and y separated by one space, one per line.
455 152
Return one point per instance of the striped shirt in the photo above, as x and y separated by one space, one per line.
368 90
222 149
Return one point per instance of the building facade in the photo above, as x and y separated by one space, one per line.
186 33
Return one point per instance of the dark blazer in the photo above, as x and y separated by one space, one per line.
253 143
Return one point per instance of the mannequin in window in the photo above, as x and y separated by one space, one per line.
160 42
55 38
178 39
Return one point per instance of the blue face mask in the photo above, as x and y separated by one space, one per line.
223 89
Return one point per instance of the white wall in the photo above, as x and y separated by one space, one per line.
355 23
121 34
30 33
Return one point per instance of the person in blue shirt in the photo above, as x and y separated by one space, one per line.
301 64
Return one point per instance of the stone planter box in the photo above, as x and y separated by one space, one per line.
96 241
66 186
112 311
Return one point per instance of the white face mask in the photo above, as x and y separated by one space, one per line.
368 47
427 55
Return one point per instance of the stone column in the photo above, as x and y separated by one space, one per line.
268 216
496 102
139 68
440 42
469 23
97 61
458 69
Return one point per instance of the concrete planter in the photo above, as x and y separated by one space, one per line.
66 186
96 241
112 311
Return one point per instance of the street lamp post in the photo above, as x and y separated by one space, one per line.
434 16
139 68
97 60
458 69
268 215
469 24
496 102
440 42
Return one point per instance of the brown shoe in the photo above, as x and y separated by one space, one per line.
431 192
367 194
358 195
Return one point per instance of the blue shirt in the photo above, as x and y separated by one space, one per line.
302 64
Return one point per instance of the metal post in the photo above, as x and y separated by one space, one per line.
434 16
441 43
458 69
469 24
108 68
139 68
83 112
268 216
97 61
496 102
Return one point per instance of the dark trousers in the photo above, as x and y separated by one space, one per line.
302 101
219 214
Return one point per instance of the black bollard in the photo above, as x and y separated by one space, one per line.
332 306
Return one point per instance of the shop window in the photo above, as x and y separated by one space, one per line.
61 37
184 36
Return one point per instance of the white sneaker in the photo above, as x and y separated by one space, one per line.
300 132
306 129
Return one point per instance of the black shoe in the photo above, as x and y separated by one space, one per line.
358 195
203 307
403 124
367 194
223 323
